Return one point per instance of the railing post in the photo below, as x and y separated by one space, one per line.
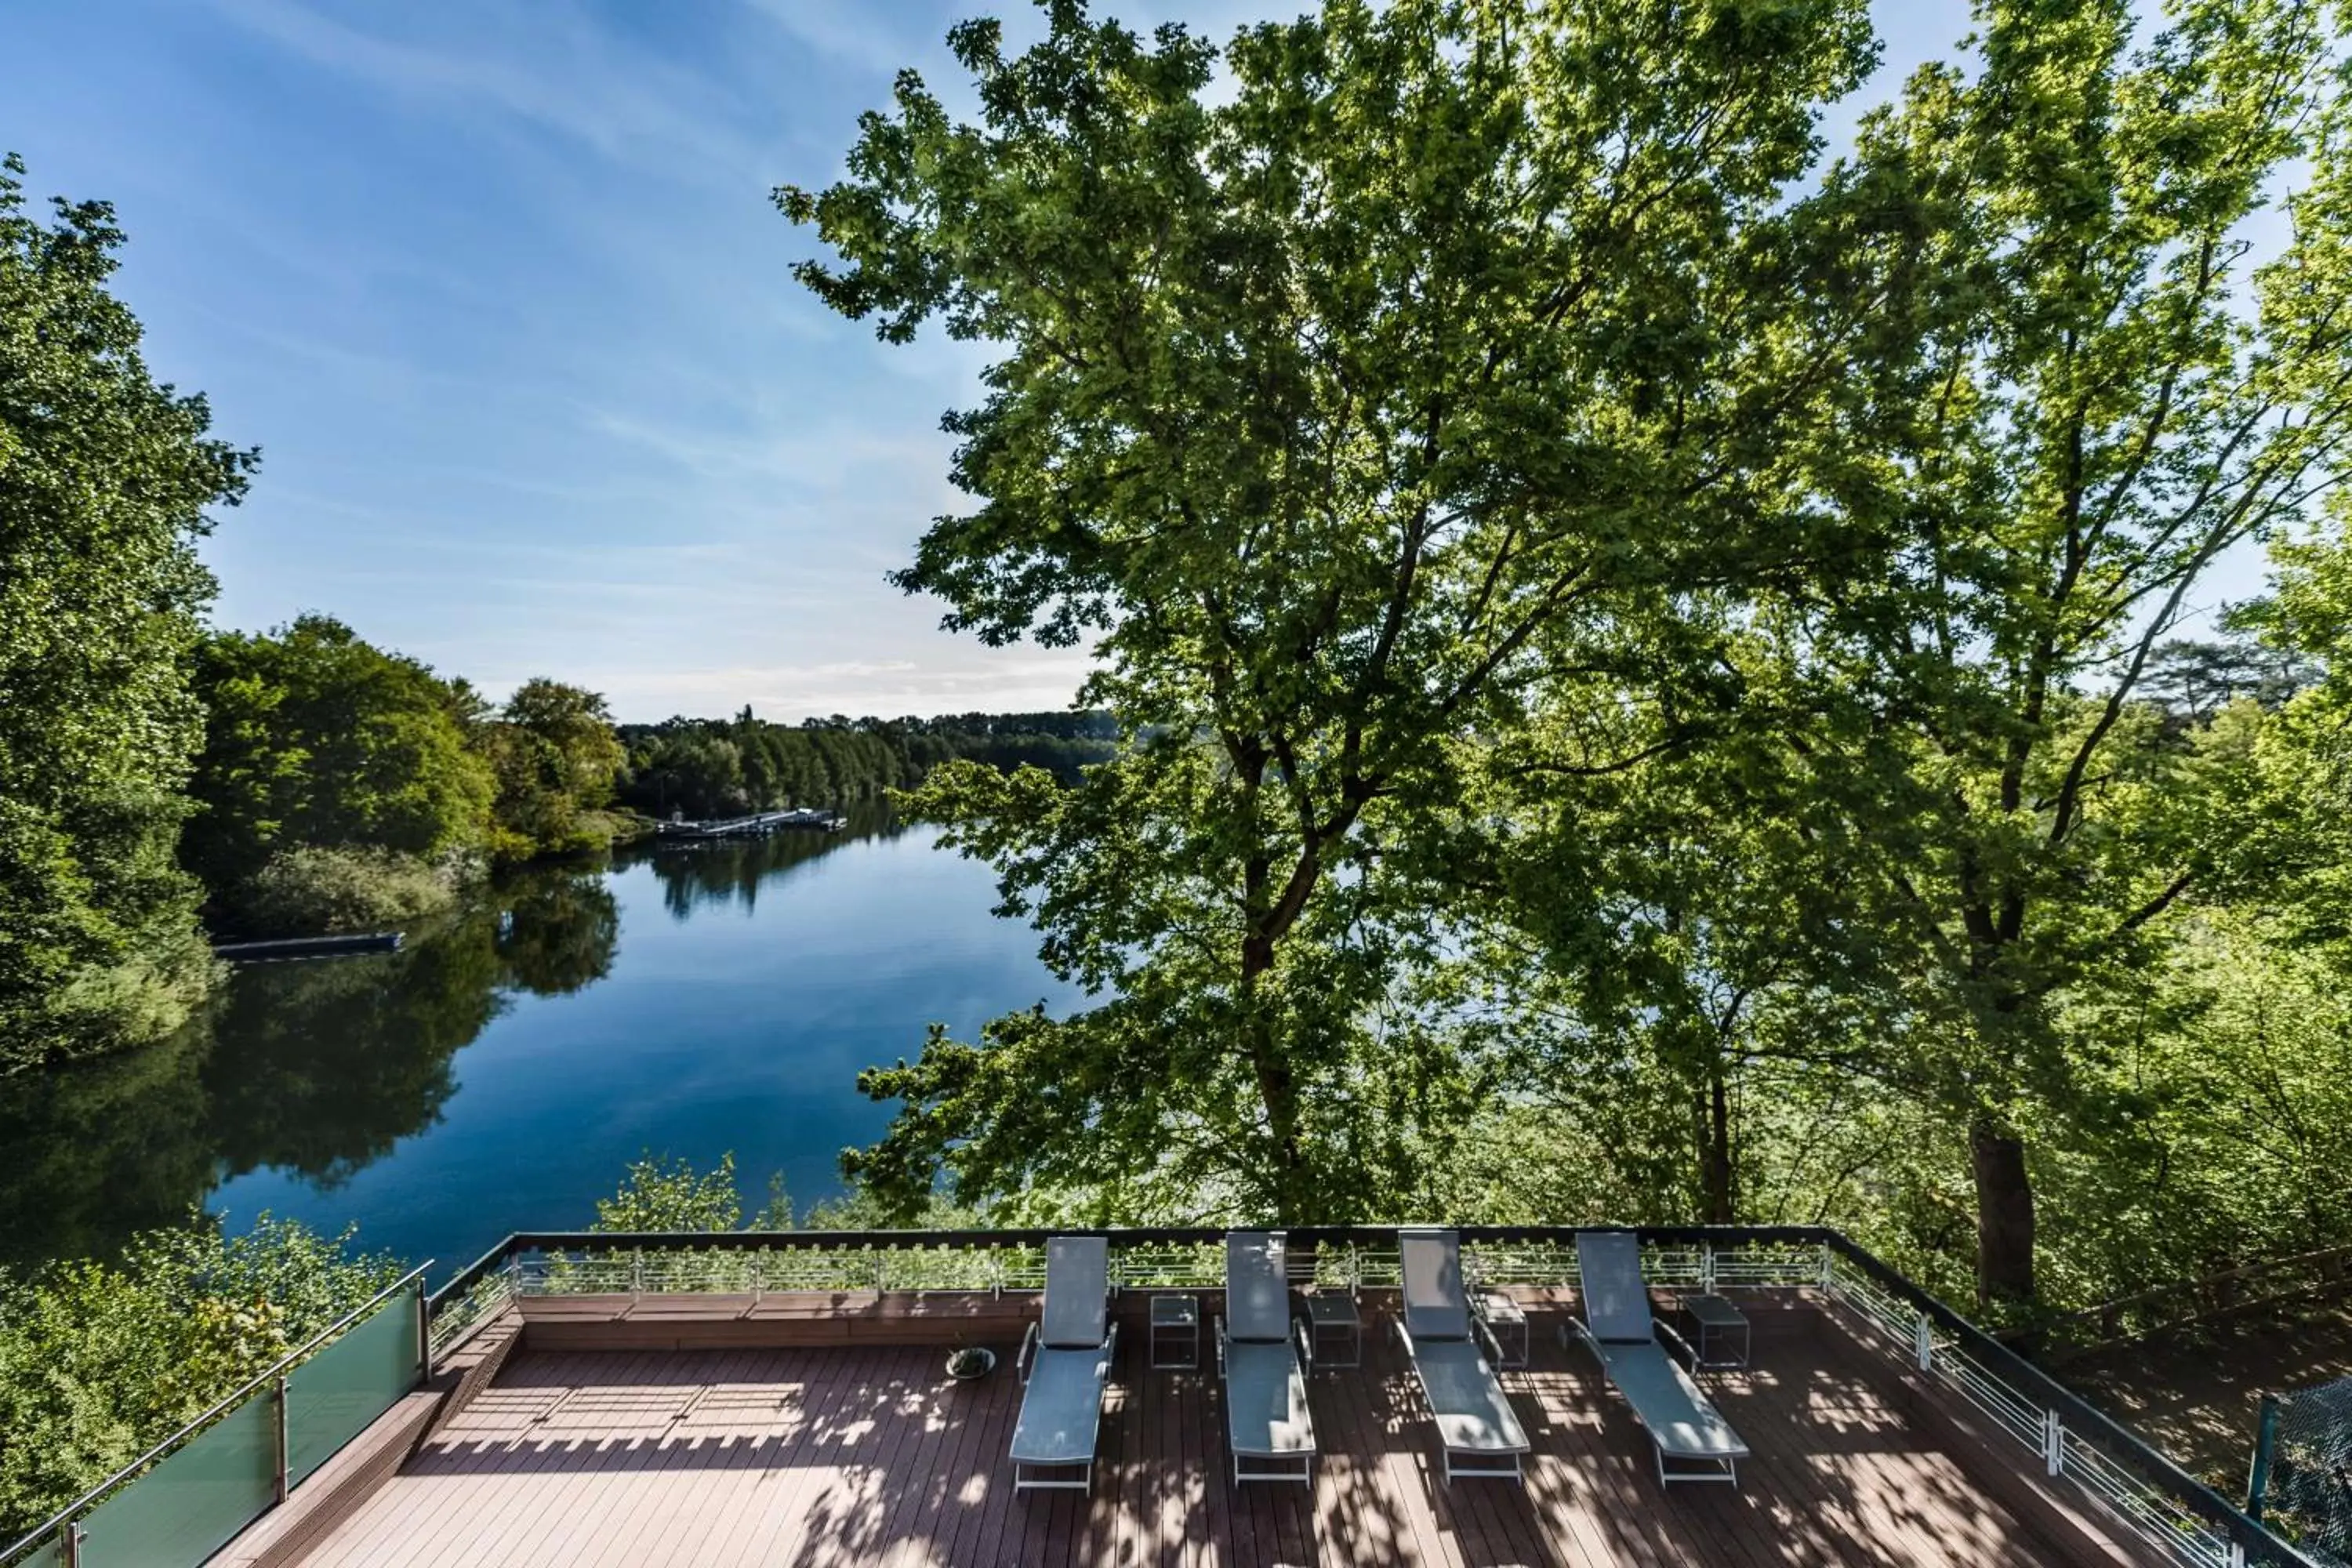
637 1273
1923 1341
69 1543
423 1332
2053 1443
758 1275
1706 1268
1829 1268
2258 1481
281 1457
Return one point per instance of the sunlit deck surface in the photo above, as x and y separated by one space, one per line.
863 1453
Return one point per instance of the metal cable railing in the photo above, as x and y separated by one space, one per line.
2168 1509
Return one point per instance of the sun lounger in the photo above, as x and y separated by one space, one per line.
1693 1443
1477 1429
1263 1355
1066 1363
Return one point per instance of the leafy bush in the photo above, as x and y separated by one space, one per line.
663 1194
309 889
100 1360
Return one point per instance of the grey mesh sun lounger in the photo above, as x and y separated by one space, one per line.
1065 1366
1693 1443
1263 1354
1476 1426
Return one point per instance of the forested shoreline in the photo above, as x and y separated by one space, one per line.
717 768
164 785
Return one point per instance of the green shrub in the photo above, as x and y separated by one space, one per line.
310 890
662 1194
99 1361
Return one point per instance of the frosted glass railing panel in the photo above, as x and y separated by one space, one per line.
331 1397
194 1500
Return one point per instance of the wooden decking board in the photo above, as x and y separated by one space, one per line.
866 1453
931 1400
667 1493
810 1476
539 1447
746 1412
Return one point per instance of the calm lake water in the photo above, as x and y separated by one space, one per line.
497 1073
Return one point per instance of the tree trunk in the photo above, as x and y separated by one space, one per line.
2004 1214
1719 1196
1277 1093
1294 1202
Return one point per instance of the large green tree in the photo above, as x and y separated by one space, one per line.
105 476
1338 402
556 760
1667 922
315 738
2083 390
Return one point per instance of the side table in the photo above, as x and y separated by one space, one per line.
1715 1318
1508 1321
1175 1342
1334 1320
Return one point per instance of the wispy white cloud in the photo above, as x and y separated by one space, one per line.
854 32
545 65
955 679
804 451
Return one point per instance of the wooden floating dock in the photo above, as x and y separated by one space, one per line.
760 824
308 947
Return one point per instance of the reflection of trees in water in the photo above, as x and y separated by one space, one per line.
715 873
321 1067
316 1068
97 1150
559 934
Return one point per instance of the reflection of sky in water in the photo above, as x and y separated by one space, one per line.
726 1022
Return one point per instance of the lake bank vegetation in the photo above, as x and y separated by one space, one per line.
164 785
702 768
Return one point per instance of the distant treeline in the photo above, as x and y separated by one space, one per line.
722 767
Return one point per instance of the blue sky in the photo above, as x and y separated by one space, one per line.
497 286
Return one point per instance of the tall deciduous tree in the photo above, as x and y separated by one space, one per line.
1338 407
2084 393
105 476
316 738
556 759
1667 915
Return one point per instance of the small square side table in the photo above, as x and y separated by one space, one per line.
1334 1320
1714 1318
1175 1342
1508 1321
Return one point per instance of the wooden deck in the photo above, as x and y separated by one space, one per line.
866 1455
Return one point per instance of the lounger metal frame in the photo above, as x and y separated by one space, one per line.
1484 1463
1274 1467
1663 1340
1026 1474
1088 1296
1475 1463
1709 1467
